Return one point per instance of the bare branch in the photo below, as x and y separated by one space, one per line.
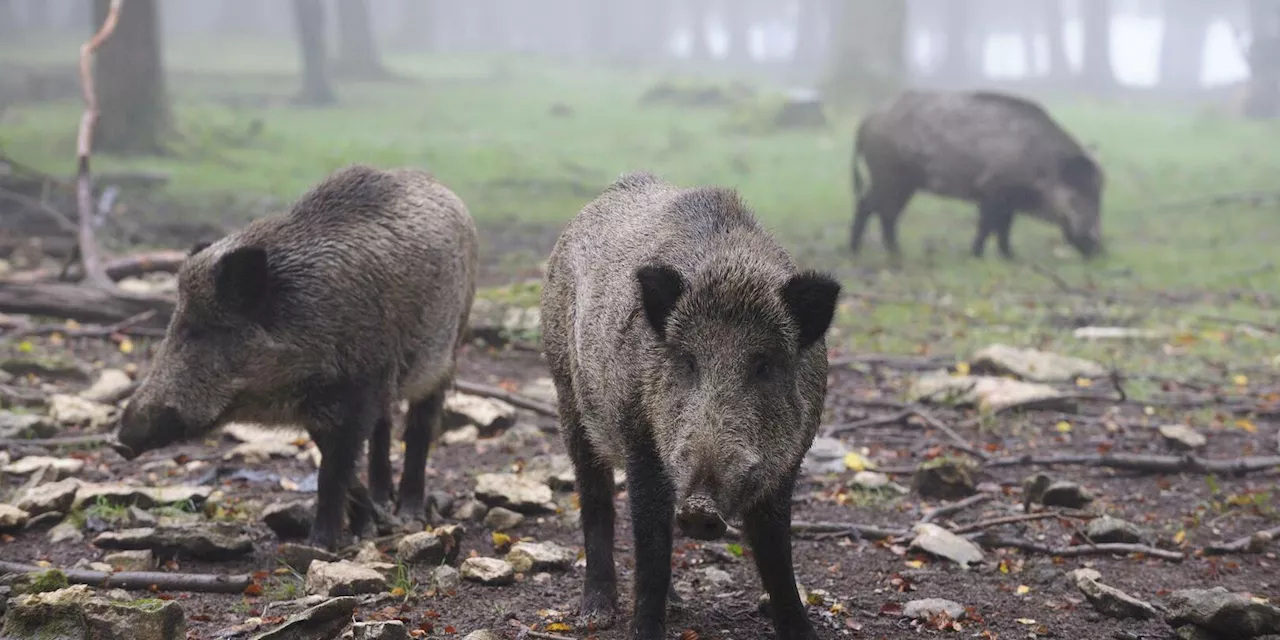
1109 548
1253 543
1148 463
524 402
93 270
144 580
954 507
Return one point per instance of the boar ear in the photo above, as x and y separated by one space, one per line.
1078 170
660 287
811 299
198 247
240 279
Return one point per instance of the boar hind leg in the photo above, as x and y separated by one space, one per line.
861 215
419 428
380 461
652 514
993 217
342 418
768 530
594 482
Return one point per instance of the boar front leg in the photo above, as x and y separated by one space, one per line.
380 461
594 482
340 419
768 529
419 428
652 513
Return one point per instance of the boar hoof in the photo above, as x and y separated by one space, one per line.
124 450
598 613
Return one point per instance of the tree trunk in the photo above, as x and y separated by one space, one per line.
813 26
1263 97
1032 24
357 51
8 21
39 18
309 21
1186 27
1095 19
868 50
958 66
133 106
738 16
699 13
238 17
417 25
1059 65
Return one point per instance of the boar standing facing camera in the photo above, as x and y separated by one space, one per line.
1004 153
687 348
325 316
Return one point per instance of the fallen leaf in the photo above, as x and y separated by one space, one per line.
915 564
1241 380
126 346
1023 590
501 540
559 626
734 548
398 592
1247 425
962 368
855 462
1180 536
254 589
1025 621
1063 426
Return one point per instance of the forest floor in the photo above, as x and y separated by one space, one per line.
1191 230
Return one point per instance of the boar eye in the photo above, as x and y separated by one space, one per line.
687 365
761 368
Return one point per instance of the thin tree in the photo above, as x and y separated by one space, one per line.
1263 97
238 16
1186 28
309 22
813 25
868 52
1054 23
417 25
134 106
1096 71
357 51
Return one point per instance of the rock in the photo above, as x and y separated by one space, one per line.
445 578
249 432
135 620
1033 365
12 518
945 478
1182 437
1192 632
514 492
1110 601
467 434
259 452
542 389
47 498
1230 615
937 541
988 393
471 510
65 531
489 415
74 410
716 577
343 578
488 571
500 322
51 614
207 541
290 520
521 435
1033 488
325 620
60 467
110 385
1066 494
503 519
430 547
555 471
142 497
483 634
1116 333
25 425
527 557
369 554
441 500
140 560
927 608
46 368
100 566
870 480
387 630
300 556
826 455
1108 529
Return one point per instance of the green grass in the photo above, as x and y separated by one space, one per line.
488 127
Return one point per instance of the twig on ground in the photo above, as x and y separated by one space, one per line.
117 268
904 363
1118 548
144 580
878 421
1147 463
903 417
954 507
515 399
957 441
60 441
60 218
21 397
83 332
1058 281
94 273
1269 328
869 532
1254 543
528 632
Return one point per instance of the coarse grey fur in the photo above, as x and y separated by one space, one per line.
325 315
687 348
1004 153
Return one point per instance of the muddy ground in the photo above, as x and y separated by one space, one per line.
1010 595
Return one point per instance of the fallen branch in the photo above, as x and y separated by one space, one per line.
1015 519
903 417
117 268
94 273
954 507
524 402
1147 463
1108 548
82 332
54 443
144 580
82 304
1254 543
57 216
21 397
868 532
528 632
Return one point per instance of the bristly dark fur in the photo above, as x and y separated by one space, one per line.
325 315
1002 152
687 348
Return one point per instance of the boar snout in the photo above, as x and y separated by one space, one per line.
145 428
123 449
700 519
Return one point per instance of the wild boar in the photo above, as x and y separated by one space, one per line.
687 348
324 315
1001 152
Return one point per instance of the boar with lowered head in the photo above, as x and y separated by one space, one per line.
1001 152
326 316
687 348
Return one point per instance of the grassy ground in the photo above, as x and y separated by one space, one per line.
523 140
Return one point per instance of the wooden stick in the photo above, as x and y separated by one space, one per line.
524 402
94 273
1108 548
61 441
1148 463
144 580
1253 543
954 507
82 332
1021 517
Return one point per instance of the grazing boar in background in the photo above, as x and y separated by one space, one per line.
325 316
1001 152
687 348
